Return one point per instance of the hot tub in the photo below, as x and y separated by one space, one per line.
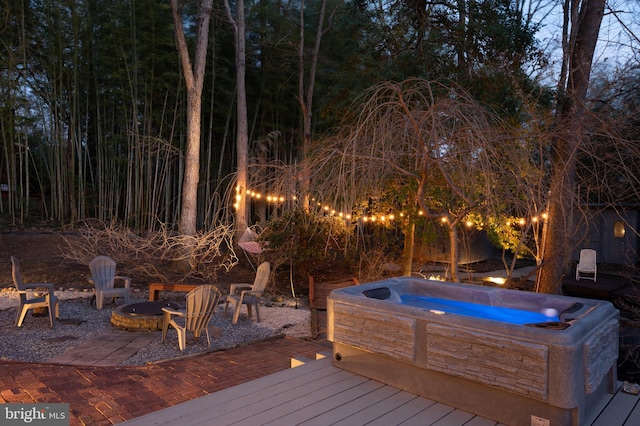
551 360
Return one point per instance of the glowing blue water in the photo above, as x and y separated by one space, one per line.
497 313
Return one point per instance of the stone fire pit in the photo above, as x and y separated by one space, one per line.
140 316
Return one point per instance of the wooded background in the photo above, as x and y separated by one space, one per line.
94 106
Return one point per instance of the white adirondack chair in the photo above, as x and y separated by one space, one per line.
587 265
33 295
248 294
201 305
103 277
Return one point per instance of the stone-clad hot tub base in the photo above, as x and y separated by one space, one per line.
505 372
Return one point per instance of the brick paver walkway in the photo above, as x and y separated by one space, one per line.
110 395
107 349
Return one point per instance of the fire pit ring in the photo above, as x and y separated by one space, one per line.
140 316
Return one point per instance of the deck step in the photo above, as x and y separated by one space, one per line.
298 361
302 360
323 354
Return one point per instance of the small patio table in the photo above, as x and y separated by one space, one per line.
155 288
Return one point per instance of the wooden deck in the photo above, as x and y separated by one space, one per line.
622 410
317 393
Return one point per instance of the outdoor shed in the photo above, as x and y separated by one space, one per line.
612 232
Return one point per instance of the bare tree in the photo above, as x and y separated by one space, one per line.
582 25
305 94
242 138
194 80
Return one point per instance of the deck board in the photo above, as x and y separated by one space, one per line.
428 410
481 421
296 406
225 400
317 393
619 410
255 402
634 416
456 417
319 402
365 416
434 414
353 408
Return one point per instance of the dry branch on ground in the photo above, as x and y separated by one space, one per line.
198 256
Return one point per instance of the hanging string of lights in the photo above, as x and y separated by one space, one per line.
371 218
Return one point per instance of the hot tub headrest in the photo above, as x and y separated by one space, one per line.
572 312
380 293
551 325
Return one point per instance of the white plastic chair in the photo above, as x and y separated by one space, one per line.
247 294
103 277
201 305
33 295
587 265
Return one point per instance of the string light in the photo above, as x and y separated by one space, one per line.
384 218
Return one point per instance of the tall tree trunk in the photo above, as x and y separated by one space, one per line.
454 256
407 251
194 80
570 112
461 48
305 95
242 138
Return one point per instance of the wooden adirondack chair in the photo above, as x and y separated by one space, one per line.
103 276
201 305
247 294
33 296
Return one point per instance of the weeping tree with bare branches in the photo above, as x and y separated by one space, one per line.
458 163
433 135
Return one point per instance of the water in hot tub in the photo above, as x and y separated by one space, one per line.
497 313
